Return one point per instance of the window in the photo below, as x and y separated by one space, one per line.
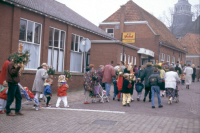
179 60
128 59
110 31
163 57
124 58
168 58
56 49
173 59
132 60
121 57
76 54
135 61
30 37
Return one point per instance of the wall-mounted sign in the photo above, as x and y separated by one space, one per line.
128 37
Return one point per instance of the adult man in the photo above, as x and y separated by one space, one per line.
154 81
3 72
12 78
146 73
108 73
38 85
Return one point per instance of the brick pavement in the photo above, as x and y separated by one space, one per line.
182 117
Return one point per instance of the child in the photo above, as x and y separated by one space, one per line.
47 90
62 91
126 90
31 95
139 86
3 97
182 78
119 84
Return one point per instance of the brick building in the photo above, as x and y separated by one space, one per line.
153 38
52 33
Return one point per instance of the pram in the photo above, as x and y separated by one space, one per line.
176 98
99 92
28 98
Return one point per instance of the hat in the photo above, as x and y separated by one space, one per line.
44 64
5 84
62 78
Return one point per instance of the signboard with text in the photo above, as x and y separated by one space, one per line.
128 37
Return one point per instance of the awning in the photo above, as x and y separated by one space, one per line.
146 52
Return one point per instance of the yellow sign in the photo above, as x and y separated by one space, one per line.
128 41
128 36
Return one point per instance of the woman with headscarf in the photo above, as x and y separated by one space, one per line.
188 75
194 72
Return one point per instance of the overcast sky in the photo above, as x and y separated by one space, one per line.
97 11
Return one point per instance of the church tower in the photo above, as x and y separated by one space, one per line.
182 18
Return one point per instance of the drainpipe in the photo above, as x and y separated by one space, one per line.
122 18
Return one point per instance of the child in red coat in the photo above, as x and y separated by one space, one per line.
62 91
3 97
119 84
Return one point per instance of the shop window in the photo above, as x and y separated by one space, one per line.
168 59
173 59
163 57
56 49
132 60
76 54
30 37
110 31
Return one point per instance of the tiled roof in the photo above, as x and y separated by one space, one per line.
191 42
60 11
136 13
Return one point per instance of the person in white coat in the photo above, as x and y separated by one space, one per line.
171 78
188 75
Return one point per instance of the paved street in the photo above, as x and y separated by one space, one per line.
182 117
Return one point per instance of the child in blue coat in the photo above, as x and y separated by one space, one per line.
47 90
139 86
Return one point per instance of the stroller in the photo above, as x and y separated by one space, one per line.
100 93
176 98
28 97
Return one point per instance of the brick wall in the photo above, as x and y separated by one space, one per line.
194 60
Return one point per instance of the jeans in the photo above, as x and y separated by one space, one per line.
139 94
107 85
147 89
155 89
13 92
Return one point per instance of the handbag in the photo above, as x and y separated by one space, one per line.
129 85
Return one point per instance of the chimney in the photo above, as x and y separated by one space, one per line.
122 18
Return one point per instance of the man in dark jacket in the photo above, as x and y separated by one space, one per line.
145 74
178 69
12 78
154 81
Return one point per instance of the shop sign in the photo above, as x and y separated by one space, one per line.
128 37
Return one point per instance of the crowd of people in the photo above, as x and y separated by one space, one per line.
160 78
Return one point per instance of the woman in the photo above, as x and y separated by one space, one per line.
188 75
194 73
100 74
162 86
89 82
41 76
171 77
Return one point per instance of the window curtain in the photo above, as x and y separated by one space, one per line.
49 57
55 59
34 55
75 62
60 61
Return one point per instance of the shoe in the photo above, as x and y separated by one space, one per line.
19 113
149 100
144 99
47 106
1 112
86 103
35 105
39 106
58 107
10 114
67 106
169 102
124 105
132 100
153 107
128 104
160 106
138 99
113 98
118 99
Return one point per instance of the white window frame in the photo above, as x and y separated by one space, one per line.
112 34
121 57
39 44
128 59
135 61
125 58
163 57
173 59
179 60
168 58
132 59
77 51
52 47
